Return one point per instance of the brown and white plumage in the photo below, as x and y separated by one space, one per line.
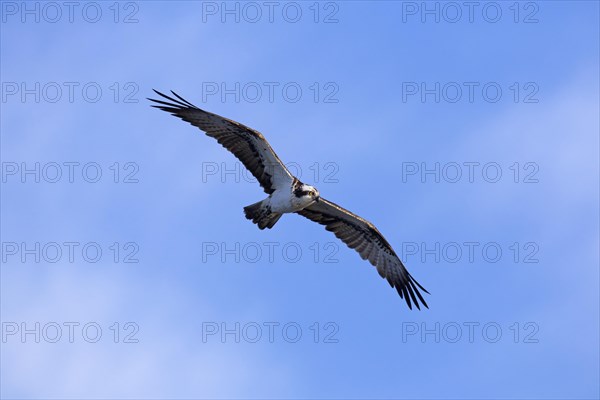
362 236
288 195
248 145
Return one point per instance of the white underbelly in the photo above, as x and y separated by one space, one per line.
284 201
280 202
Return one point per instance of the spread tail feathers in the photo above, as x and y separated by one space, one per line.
261 215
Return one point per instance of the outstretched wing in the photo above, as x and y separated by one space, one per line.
248 145
361 235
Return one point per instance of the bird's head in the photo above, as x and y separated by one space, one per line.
307 192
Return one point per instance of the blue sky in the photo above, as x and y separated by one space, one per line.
499 103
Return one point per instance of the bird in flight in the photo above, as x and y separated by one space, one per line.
288 195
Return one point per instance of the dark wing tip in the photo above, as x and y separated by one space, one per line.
409 291
183 100
401 289
178 103
417 283
414 286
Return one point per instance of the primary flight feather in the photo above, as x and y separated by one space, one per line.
288 195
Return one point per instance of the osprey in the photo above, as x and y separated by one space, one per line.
288 195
